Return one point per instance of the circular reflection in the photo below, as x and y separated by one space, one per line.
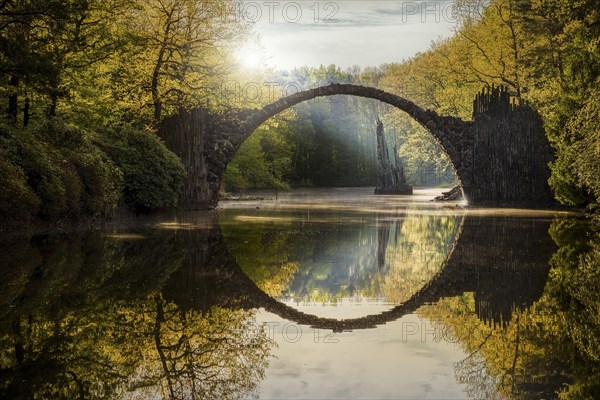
340 264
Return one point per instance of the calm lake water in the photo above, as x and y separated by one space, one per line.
310 294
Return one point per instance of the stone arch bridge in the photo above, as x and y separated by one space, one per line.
500 157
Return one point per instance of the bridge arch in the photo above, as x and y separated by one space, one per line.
429 293
451 133
501 157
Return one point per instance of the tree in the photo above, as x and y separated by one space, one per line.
181 50
94 325
46 44
546 351
563 65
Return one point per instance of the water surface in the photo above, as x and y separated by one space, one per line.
308 295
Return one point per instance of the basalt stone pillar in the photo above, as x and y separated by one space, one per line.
185 135
511 153
390 172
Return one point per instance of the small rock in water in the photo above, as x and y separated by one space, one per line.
453 194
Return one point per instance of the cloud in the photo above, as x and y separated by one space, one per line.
366 32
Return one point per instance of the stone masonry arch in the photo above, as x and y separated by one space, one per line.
501 157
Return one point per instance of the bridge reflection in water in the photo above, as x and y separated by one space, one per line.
152 310
502 260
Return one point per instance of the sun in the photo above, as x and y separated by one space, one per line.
250 56
250 59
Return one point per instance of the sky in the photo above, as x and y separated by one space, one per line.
344 32
405 359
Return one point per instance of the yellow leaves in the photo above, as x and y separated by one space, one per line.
278 283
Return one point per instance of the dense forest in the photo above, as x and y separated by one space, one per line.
85 85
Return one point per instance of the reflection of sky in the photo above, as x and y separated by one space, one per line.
392 361
356 33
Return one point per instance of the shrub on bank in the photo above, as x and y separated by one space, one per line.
585 128
153 175
48 174
18 202
101 180
71 176
56 170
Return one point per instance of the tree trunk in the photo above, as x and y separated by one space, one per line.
13 99
156 102
53 103
26 113
19 346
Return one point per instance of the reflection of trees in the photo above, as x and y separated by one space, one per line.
71 357
262 250
550 349
416 250
83 318
149 349
472 372
326 262
217 355
503 361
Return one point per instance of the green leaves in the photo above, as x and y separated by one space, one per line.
153 176
547 52
263 161
18 201
58 170
586 158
